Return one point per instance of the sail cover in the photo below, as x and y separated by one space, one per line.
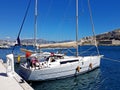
58 45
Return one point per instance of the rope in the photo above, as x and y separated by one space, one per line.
111 59
91 19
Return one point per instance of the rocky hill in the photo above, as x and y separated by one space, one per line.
113 35
108 38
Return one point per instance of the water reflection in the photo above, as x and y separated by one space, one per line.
80 82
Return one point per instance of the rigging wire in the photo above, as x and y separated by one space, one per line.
93 30
82 52
22 24
24 18
87 50
71 51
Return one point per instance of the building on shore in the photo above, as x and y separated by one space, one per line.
109 42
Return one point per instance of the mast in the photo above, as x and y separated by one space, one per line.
35 25
76 28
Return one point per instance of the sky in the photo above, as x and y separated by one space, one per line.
57 18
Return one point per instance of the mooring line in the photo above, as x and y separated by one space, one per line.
111 59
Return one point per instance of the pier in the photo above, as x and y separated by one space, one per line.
11 82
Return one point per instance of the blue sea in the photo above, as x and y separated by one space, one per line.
106 77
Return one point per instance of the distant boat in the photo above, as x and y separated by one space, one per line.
56 66
4 46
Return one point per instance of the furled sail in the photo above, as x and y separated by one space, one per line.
58 45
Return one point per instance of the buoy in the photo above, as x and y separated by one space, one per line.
18 59
78 69
90 65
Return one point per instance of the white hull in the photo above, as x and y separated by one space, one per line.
62 70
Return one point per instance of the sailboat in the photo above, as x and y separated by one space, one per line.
57 66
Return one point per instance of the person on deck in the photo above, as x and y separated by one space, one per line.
35 62
28 54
